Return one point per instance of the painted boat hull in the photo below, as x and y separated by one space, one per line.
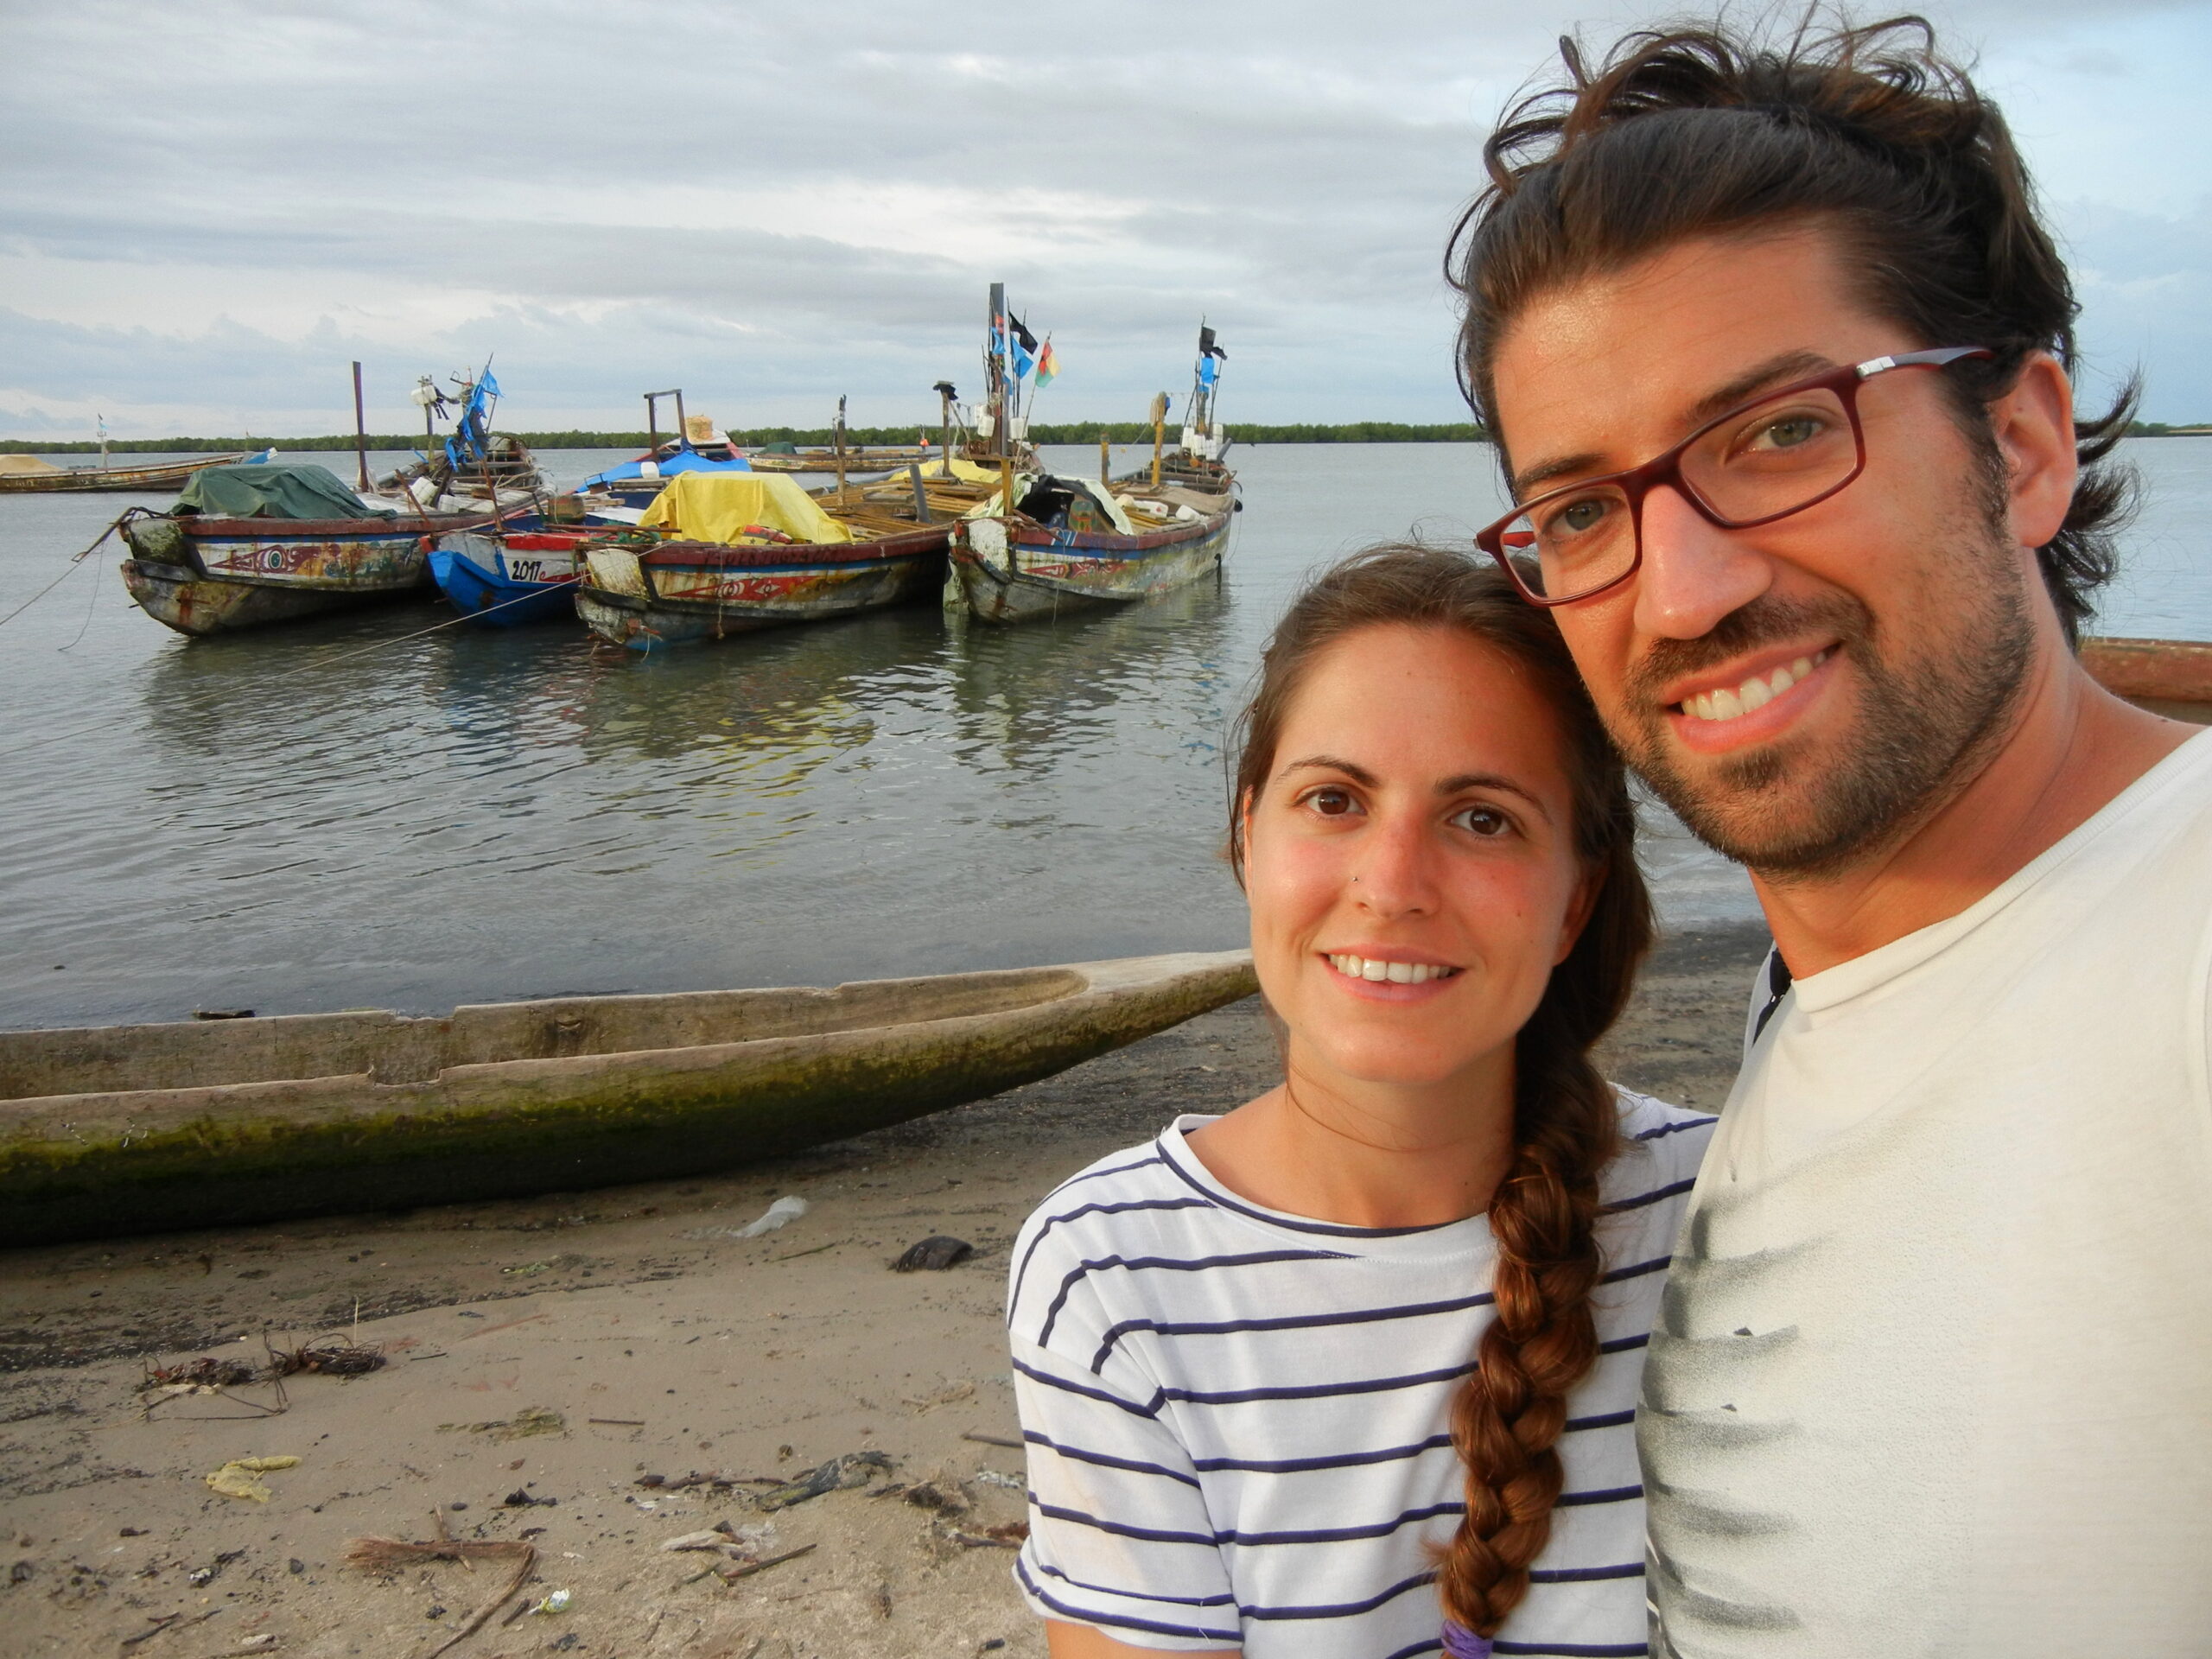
687 592
1051 571
212 575
161 480
504 582
140 1129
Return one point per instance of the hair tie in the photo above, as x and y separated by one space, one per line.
1461 1642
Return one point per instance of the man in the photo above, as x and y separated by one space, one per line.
1776 354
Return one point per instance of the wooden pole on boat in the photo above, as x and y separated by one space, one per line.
360 430
944 394
1105 459
1159 433
840 435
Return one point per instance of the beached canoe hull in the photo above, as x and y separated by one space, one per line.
1035 573
204 576
505 582
201 1125
2171 676
165 479
688 592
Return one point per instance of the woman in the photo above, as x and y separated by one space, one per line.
1292 1378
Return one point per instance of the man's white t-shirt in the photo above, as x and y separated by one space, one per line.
1935 1371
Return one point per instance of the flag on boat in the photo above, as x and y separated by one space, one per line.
1048 365
1022 348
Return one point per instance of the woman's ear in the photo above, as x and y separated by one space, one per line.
1579 911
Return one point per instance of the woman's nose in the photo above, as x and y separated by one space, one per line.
1394 874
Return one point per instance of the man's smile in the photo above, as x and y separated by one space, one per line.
1750 701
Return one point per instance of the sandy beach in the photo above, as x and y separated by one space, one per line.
602 1374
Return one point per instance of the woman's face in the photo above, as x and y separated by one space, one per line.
1409 860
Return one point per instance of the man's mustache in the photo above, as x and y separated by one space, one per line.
1765 621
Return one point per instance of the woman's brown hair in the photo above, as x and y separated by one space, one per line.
1508 1416
1703 130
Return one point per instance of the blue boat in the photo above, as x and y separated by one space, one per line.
502 581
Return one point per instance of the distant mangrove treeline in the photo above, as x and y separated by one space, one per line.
1041 432
1122 432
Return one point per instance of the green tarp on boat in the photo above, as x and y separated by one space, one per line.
271 490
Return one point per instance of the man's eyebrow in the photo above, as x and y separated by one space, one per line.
1786 366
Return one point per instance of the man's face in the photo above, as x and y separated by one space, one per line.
1802 692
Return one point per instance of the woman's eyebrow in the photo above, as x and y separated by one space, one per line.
1358 775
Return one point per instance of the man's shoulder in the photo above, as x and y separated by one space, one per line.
1662 1145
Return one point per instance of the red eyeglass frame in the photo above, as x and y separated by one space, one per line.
1666 468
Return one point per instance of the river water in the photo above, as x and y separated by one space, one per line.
334 814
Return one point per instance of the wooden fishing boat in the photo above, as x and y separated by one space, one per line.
2171 676
1071 543
162 478
209 568
138 1128
748 552
503 579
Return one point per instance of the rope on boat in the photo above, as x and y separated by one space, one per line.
402 639
75 559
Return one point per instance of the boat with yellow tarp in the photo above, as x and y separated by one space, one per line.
718 554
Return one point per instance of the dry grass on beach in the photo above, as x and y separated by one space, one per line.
571 1383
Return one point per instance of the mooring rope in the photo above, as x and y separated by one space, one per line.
75 559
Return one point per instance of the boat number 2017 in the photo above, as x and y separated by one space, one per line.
525 569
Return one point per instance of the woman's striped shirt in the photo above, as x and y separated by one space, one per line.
1238 1421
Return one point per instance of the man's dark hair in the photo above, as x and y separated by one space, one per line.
1703 130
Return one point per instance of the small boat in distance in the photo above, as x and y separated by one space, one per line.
124 1130
250 545
1064 544
28 475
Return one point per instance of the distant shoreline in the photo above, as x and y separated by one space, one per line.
1121 432
1064 432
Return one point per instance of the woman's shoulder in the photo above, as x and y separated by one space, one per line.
1134 1204
1662 1145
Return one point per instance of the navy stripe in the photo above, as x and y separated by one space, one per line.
1171 1264
1275 1218
1434 1644
1300 1466
1311 1536
1671 1190
1575 1650
1622 1344
1151 1409
1585 1574
1101 1174
1343 1609
1637 1270
1665 1129
1288 1322
1609 1495
1607 1419
1021 1273
1087 1616
1106 1461
1050 1572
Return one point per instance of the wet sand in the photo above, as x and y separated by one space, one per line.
544 1357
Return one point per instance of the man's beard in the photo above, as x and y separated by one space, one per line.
1922 732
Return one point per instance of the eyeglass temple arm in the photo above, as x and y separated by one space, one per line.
1939 358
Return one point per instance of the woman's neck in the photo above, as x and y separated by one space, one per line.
1366 1155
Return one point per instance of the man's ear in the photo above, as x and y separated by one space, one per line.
2033 425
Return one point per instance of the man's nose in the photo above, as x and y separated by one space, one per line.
1693 572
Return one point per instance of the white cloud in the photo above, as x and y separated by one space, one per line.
214 207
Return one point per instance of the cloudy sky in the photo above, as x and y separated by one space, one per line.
209 208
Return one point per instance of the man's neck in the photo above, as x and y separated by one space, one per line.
2072 747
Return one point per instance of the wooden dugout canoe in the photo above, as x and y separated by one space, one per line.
119 1129
164 478
2172 676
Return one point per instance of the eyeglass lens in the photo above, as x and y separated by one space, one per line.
1760 463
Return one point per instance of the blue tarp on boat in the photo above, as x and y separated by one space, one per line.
684 460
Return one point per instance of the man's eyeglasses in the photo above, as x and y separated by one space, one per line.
1779 454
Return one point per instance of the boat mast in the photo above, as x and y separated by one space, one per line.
360 432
